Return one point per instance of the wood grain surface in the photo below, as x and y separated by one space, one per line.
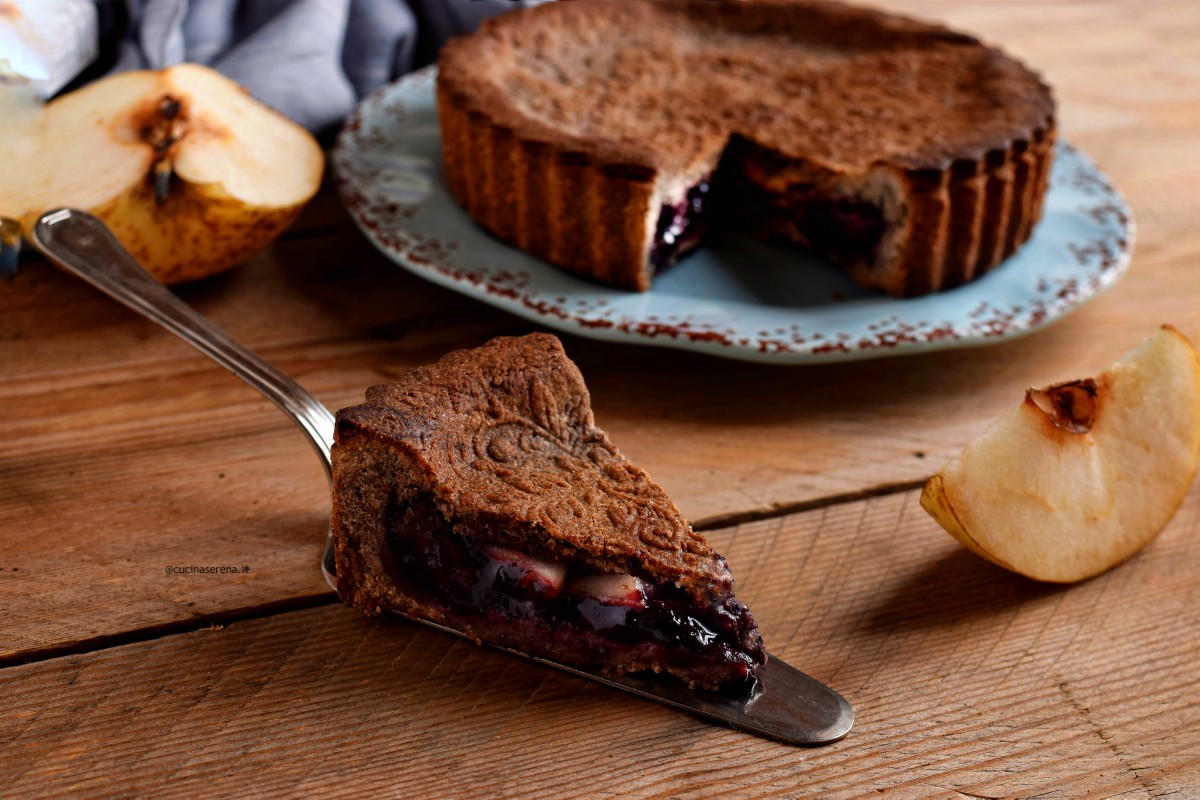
125 453
967 682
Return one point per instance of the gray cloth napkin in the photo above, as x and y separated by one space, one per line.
310 59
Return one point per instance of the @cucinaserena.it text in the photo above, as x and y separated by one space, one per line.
192 569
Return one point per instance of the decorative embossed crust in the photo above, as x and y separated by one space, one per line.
566 128
496 448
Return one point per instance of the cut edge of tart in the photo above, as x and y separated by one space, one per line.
477 493
617 210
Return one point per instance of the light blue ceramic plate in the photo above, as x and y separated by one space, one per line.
742 299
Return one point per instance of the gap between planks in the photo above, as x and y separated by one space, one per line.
151 632
718 521
300 603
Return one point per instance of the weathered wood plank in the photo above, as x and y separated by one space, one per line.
968 682
116 436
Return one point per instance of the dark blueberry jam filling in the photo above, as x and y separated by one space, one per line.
843 230
681 227
473 580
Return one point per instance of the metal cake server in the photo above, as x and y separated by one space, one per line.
785 704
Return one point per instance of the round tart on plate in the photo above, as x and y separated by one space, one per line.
611 137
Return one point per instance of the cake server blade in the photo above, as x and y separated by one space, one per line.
785 704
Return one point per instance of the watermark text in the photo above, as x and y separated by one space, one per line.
210 569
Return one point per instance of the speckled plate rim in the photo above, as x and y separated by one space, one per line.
797 310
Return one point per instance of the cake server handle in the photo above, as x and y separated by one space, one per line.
84 246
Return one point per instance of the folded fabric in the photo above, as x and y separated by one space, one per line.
46 43
310 59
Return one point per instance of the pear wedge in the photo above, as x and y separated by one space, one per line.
1081 475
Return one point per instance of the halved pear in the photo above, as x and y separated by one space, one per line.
1081 475
191 173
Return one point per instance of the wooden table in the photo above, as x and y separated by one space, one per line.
125 453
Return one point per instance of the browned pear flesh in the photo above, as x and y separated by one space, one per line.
1083 474
190 172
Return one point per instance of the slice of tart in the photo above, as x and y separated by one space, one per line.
610 137
478 493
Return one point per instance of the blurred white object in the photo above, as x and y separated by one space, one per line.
46 43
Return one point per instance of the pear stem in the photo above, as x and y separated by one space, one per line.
162 135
